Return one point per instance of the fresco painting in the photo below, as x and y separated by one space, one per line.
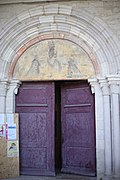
54 59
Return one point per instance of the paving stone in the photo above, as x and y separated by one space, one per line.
62 177
58 177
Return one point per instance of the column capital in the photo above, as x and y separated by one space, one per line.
104 86
3 87
14 85
10 98
113 79
93 84
114 82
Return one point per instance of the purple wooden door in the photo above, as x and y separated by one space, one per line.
78 129
35 104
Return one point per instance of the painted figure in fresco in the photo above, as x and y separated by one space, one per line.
52 60
51 49
34 68
73 70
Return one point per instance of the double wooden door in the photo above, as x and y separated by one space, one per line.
35 104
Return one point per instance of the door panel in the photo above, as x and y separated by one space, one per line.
35 104
78 128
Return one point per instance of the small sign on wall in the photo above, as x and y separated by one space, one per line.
12 149
12 132
9 149
7 126
11 127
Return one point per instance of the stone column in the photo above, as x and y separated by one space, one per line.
3 92
95 88
114 82
107 126
10 99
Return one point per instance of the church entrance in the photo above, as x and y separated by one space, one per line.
57 128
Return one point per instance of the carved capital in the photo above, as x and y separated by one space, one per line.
10 98
14 85
93 84
4 85
104 86
114 82
114 88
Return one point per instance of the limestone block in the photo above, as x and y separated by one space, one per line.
82 15
60 18
32 22
36 11
64 28
91 41
53 27
22 17
98 22
72 21
21 38
107 4
75 30
3 45
7 26
84 36
44 27
8 53
98 4
46 19
101 55
32 31
82 4
51 9
63 9
116 50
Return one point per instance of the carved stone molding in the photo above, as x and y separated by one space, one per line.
104 86
31 1
114 82
93 84
10 98
3 87
14 85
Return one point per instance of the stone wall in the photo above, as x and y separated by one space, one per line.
107 10
94 26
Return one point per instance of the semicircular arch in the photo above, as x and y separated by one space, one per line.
49 21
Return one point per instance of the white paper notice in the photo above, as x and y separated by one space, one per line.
2 118
12 132
10 119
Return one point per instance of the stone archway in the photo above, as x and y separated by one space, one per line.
59 19
89 33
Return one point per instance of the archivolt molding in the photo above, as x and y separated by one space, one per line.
54 19
57 35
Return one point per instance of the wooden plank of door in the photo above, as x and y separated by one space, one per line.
35 105
78 129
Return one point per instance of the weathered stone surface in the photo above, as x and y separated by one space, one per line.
54 59
93 25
